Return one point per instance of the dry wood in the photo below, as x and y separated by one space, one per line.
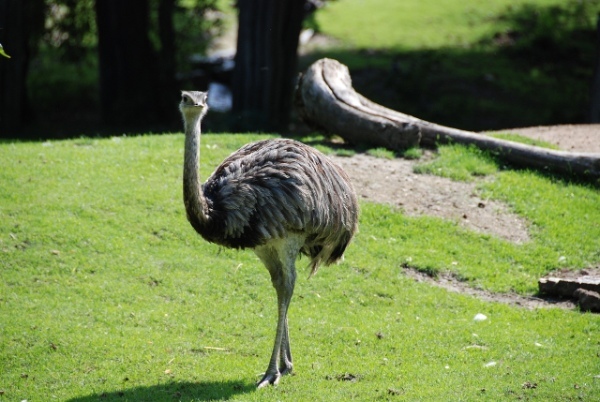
326 99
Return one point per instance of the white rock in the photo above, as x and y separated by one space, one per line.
479 317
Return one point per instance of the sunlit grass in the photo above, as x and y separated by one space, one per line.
413 153
459 163
383 153
107 293
413 24
523 140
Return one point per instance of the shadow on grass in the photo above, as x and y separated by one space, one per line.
477 89
535 69
186 391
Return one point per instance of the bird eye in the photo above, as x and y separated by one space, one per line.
185 99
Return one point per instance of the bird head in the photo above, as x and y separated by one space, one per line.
193 103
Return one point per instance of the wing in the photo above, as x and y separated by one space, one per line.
269 188
257 194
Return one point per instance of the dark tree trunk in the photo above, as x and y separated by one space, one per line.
131 87
595 95
20 22
166 33
266 63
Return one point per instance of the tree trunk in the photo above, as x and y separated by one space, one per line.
595 92
325 98
131 91
266 63
167 67
18 21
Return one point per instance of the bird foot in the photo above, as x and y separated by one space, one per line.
286 370
269 379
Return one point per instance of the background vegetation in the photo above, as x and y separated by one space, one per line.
459 63
505 64
89 66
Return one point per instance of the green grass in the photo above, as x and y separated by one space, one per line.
406 25
413 153
107 294
459 163
383 153
523 140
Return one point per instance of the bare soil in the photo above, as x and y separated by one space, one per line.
568 137
450 282
394 182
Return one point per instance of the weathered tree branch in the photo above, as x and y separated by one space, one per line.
325 98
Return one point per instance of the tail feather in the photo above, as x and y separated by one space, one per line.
328 254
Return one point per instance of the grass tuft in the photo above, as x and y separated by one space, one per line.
382 153
459 163
523 140
413 153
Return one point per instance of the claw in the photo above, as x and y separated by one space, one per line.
269 379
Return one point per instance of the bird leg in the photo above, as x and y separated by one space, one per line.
281 266
281 358
285 353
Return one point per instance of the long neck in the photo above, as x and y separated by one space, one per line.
195 203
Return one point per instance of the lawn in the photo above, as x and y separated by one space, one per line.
416 24
107 293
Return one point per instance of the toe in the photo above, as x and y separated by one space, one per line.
269 379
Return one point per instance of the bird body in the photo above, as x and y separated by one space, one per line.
279 197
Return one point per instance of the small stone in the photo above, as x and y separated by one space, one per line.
479 317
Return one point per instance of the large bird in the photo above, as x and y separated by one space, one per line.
279 197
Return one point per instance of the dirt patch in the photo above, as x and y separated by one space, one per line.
450 282
394 182
568 137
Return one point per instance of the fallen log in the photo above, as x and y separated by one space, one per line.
565 287
585 289
326 99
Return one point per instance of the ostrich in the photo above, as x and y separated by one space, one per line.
279 197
